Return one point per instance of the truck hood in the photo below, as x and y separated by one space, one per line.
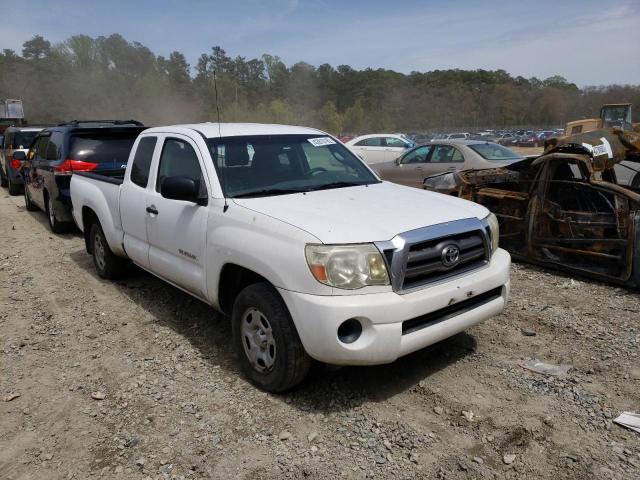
364 214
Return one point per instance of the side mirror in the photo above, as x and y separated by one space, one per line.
180 188
19 155
397 161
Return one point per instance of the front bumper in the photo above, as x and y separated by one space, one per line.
381 315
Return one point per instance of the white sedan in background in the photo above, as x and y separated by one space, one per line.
379 147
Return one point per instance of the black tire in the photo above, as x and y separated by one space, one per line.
3 178
13 188
107 264
29 205
54 224
291 362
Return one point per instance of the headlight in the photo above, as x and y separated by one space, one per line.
494 226
347 266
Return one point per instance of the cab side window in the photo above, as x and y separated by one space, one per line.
142 161
179 159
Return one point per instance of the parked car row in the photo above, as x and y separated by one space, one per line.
284 229
513 138
57 152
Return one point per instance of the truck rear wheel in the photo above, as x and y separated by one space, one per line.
271 353
107 264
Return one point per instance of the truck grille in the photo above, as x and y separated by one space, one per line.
427 255
425 264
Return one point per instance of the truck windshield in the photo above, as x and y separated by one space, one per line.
257 166
495 152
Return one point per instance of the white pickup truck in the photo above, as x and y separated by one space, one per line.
285 230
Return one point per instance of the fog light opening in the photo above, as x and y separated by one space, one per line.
349 331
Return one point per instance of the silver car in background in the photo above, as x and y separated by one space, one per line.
442 156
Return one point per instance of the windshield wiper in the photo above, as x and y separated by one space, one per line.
328 186
268 192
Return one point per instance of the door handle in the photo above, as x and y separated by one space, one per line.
152 210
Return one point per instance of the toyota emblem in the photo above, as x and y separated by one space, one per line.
450 256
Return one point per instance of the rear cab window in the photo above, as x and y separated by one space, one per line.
142 161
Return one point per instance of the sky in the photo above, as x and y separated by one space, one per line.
589 42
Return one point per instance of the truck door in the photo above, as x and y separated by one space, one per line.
177 229
580 225
133 202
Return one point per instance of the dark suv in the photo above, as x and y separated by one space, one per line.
15 139
100 146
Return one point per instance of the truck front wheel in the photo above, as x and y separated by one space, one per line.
271 353
107 264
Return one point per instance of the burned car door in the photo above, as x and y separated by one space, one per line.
580 225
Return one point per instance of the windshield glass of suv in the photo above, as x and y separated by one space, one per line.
23 139
255 166
494 152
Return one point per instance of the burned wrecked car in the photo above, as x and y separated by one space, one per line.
576 207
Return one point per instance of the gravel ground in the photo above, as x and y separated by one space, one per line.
138 380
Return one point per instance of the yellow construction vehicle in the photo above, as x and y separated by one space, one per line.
611 115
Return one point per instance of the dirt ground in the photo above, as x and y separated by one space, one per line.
175 405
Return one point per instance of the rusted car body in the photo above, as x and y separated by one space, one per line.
568 208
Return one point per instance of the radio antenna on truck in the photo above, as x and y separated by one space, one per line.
224 195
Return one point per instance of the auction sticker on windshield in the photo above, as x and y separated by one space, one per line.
321 141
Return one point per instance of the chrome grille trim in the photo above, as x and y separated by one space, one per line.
396 251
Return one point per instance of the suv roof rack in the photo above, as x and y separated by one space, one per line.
76 123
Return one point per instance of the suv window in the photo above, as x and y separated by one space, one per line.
179 159
419 155
54 147
142 161
21 140
394 142
41 148
446 154
102 147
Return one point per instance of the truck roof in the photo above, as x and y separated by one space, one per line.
212 130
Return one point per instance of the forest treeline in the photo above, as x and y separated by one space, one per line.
110 77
